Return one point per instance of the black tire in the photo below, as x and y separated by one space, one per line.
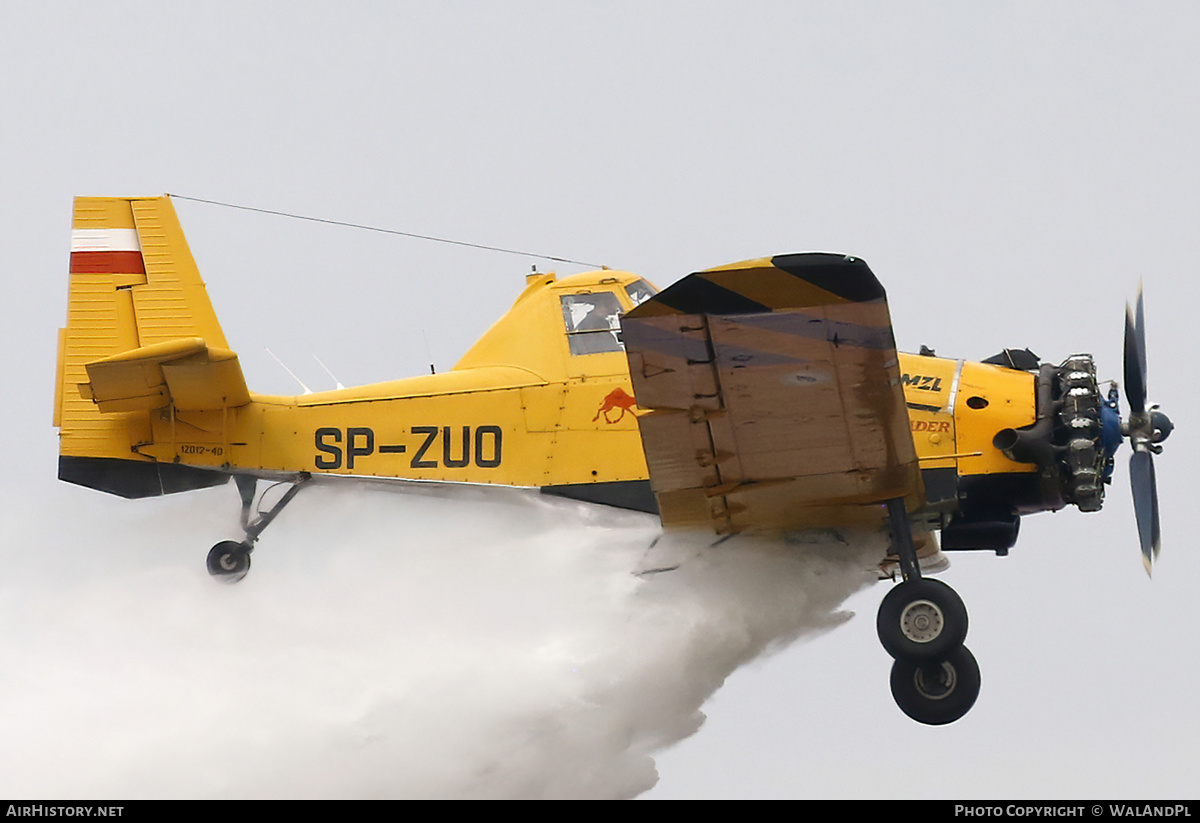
229 561
921 620
936 692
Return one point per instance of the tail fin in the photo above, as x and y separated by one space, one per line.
141 344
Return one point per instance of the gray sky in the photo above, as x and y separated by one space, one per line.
1009 170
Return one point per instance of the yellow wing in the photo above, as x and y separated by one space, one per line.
775 395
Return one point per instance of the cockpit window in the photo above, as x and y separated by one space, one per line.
592 322
640 291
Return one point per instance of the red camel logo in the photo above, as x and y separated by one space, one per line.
618 398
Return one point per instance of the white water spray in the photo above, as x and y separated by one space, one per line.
383 645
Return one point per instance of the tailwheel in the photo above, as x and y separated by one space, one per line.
936 692
229 561
921 619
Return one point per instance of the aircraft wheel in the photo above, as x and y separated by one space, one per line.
229 561
936 692
922 620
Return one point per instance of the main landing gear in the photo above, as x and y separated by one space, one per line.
229 560
922 624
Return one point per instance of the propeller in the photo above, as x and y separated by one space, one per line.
1146 429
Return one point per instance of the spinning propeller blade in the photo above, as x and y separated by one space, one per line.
1145 429
1145 504
1135 358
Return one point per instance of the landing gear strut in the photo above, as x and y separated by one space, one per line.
229 560
922 624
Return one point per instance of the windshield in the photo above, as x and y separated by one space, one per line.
639 292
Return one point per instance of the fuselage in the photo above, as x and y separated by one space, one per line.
544 401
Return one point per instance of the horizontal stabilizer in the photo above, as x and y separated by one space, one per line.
185 373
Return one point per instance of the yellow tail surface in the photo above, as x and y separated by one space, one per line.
141 342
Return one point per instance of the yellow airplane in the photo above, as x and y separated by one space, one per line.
769 397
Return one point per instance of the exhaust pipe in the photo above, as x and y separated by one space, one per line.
1028 445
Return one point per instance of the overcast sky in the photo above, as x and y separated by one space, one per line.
1009 171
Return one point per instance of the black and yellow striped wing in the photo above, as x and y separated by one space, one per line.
774 395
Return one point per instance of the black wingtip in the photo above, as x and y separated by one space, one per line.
841 274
